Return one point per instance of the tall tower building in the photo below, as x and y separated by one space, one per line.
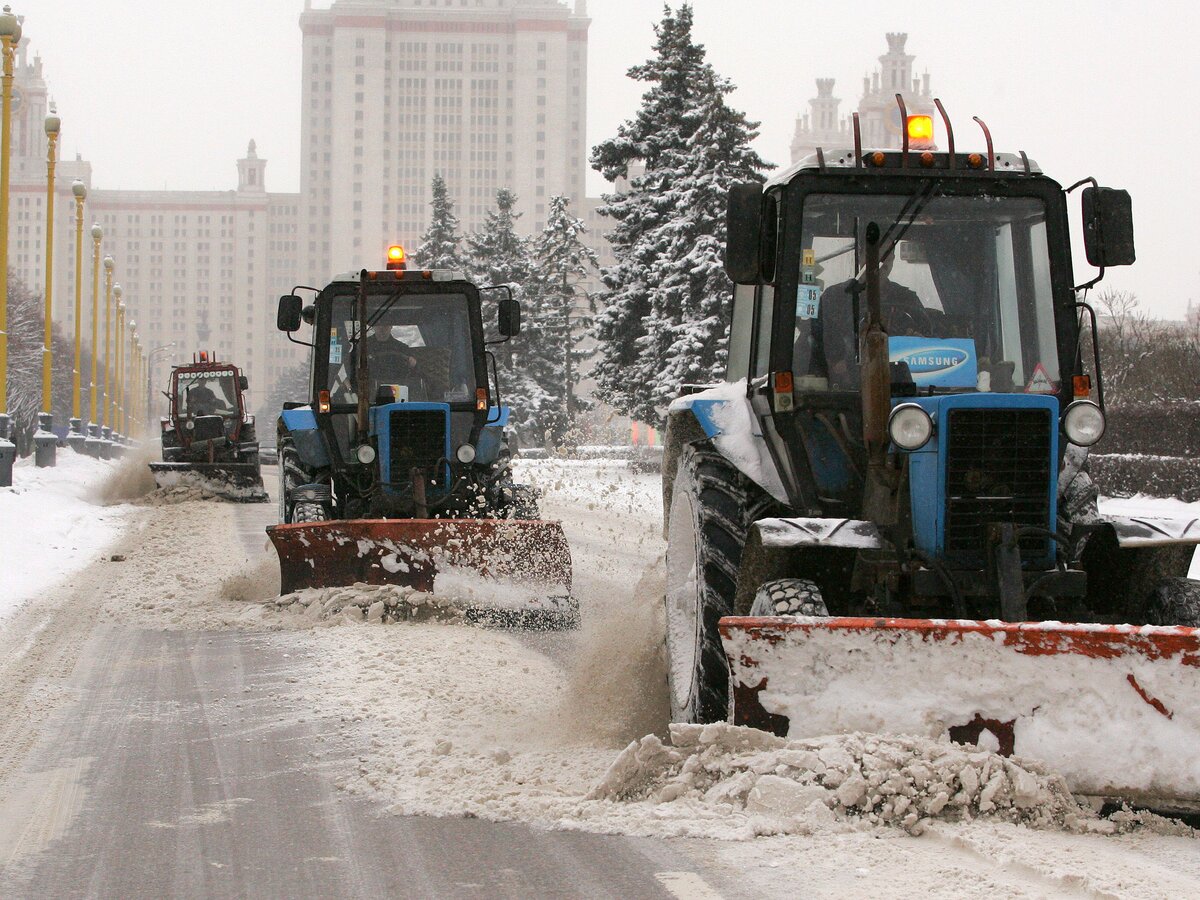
878 114
489 95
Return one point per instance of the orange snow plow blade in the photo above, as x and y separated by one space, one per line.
510 566
1112 708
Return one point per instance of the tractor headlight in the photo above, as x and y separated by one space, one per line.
1083 423
910 427
189 425
466 454
365 454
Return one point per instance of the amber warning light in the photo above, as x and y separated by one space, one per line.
920 132
396 257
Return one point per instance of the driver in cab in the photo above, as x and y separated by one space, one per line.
830 350
391 362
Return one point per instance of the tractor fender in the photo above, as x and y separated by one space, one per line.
301 426
491 436
815 548
723 414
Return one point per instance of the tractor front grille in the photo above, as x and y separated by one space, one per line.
416 439
998 470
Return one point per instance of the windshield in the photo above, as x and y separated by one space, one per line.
418 349
964 288
206 394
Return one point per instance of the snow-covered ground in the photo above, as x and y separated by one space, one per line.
568 730
53 522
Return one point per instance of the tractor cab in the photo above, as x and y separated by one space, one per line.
403 414
206 401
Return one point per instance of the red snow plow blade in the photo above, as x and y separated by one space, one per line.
1112 708
509 566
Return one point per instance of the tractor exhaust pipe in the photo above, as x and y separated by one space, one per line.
878 505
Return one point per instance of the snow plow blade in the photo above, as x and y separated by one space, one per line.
502 571
1112 708
240 482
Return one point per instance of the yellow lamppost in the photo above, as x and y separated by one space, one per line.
10 38
118 351
126 379
131 392
76 438
109 290
93 442
44 441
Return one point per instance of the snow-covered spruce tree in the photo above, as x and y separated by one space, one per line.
562 312
497 255
664 319
440 244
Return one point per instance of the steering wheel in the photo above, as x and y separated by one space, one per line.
906 320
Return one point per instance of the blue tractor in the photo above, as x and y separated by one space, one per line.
396 469
895 470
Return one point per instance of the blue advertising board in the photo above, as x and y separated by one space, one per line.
937 362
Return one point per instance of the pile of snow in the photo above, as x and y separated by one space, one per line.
51 523
368 603
762 784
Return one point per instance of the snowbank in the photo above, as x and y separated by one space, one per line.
754 783
52 523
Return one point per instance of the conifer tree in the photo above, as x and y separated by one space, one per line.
441 241
664 317
497 255
553 358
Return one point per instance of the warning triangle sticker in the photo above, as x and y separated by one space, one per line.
1040 383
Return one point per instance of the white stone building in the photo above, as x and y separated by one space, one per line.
490 93
878 114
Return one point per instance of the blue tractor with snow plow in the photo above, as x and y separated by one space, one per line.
396 468
895 469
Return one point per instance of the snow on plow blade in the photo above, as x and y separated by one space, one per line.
502 569
1113 708
241 482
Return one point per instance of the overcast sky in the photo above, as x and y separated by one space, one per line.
167 95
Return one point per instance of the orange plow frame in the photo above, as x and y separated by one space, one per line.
411 552
1114 708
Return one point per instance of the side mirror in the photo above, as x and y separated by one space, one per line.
1108 227
510 317
743 229
243 383
288 317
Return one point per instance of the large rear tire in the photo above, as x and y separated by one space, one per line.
706 532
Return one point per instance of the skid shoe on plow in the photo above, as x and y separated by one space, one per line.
1112 708
504 571
240 482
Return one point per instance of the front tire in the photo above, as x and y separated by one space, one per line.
1176 601
292 473
706 532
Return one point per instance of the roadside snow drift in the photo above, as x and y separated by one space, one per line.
51 523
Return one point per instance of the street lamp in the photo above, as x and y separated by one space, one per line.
110 291
44 440
76 438
10 38
93 441
128 381
118 351
125 376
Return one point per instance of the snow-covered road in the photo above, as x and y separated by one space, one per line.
164 728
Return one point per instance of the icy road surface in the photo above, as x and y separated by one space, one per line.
165 730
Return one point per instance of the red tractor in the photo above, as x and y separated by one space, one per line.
208 440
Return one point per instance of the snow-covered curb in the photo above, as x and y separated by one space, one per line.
52 523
